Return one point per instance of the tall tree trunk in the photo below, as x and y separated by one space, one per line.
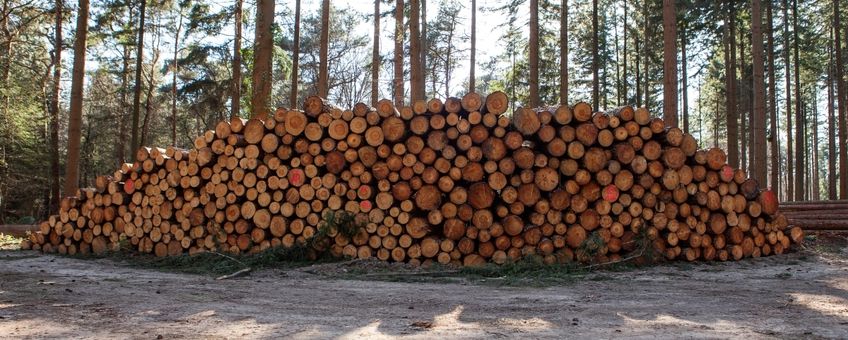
638 74
323 76
472 83
375 56
799 116
121 137
774 181
758 120
174 79
563 56
424 47
139 57
54 111
149 111
399 33
618 82
743 111
670 63
416 88
624 60
596 62
262 62
235 86
646 51
790 183
841 103
534 54
685 81
814 145
295 56
831 123
730 83
75 114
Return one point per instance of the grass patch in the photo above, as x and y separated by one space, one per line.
213 263
528 272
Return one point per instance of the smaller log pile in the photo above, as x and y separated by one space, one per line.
817 215
455 181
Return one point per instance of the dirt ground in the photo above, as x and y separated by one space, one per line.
798 295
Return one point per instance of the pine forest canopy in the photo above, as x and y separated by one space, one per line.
159 72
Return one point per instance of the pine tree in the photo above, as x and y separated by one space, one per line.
139 58
295 56
534 54
263 48
375 56
72 177
398 65
841 101
670 63
790 174
416 82
730 81
323 76
235 85
563 58
54 110
758 119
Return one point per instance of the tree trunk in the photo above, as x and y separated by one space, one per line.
174 80
121 137
55 195
139 56
758 120
149 111
295 57
595 57
235 86
799 116
790 184
472 83
831 123
399 32
815 193
75 114
323 76
263 48
638 75
685 81
375 56
563 58
730 83
670 63
534 54
618 82
424 48
416 85
842 114
624 60
645 53
743 109
774 146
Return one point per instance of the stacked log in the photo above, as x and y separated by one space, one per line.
817 215
457 181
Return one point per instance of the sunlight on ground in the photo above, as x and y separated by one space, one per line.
669 320
825 304
449 324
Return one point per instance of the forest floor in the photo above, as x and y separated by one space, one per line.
803 294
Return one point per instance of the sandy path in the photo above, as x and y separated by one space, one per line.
796 295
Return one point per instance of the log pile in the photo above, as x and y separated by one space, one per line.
456 181
817 215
